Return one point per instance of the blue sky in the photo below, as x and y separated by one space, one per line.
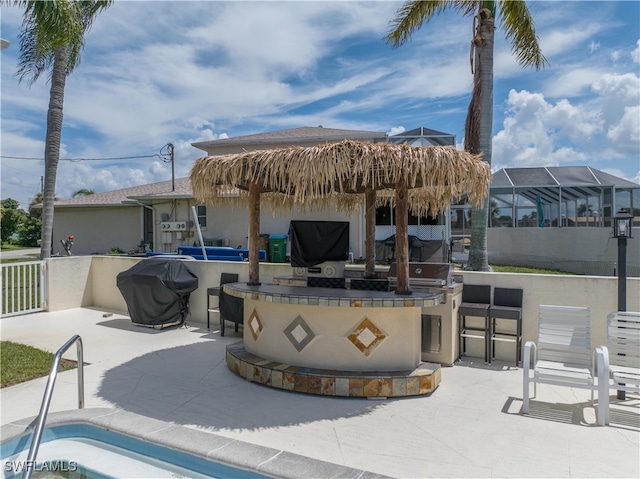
157 72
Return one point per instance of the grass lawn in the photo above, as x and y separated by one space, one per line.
525 269
30 257
20 363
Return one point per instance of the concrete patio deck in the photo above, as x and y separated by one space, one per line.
469 427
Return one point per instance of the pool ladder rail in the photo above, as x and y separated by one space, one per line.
46 400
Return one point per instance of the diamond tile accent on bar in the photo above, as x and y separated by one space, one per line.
255 325
299 333
366 336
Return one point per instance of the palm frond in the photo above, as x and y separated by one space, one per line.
339 173
52 25
414 13
520 31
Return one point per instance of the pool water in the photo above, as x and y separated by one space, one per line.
80 451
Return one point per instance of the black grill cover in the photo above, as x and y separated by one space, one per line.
157 291
313 242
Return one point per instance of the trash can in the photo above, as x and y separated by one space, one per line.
278 248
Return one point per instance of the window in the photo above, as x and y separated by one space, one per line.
201 210
383 215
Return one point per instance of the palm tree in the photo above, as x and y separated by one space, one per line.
83 192
51 39
520 31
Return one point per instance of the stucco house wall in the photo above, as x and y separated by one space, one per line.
96 230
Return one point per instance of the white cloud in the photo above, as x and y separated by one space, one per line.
183 72
533 130
620 100
396 130
572 80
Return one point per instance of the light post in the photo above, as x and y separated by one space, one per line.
622 224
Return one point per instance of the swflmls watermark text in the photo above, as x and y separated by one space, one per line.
49 466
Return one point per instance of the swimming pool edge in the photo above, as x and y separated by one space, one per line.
203 444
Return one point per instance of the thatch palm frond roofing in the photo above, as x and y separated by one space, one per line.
310 174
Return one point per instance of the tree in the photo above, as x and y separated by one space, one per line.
11 217
30 231
584 209
519 30
52 38
35 206
83 192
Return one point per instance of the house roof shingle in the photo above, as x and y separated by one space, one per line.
304 133
161 189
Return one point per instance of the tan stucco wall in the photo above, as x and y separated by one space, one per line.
97 230
90 281
331 348
69 283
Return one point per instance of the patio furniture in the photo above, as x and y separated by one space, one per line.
476 301
231 308
563 356
506 306
623 344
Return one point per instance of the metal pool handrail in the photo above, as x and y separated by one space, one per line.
46 400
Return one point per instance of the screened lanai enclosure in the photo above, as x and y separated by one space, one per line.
556 218
560 197
567 196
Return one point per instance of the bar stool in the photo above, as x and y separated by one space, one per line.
476 301
507 305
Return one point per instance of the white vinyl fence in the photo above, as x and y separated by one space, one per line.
23 288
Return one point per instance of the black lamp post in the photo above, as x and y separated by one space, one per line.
622 224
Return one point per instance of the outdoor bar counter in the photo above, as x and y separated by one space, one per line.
336 342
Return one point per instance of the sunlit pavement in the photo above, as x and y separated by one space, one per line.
469 427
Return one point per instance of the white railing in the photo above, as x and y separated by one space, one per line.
46 400
23 288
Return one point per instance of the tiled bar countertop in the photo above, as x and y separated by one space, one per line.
347 298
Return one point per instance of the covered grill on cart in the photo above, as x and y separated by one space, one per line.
157 291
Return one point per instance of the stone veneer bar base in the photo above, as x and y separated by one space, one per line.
364 384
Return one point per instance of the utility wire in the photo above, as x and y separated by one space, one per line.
85 159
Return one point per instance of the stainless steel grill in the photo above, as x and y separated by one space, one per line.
424 276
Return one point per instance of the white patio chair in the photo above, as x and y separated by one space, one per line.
563 356
623 344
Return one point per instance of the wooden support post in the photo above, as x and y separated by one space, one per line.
370 233
402 237
254 234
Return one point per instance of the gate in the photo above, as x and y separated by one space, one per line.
23 288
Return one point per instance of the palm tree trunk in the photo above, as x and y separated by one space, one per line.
254 234
52 149
370 233
479 133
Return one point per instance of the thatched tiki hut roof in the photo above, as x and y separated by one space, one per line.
308 175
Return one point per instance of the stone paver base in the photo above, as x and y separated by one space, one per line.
379 384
